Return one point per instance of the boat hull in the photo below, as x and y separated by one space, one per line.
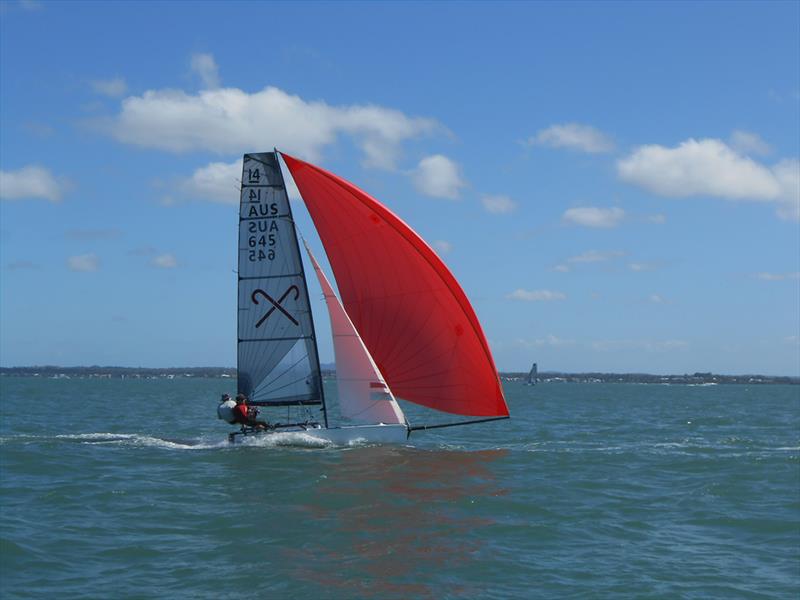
337 436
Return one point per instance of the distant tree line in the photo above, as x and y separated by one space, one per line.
695 378
97 371
328 371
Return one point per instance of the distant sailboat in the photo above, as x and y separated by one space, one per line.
403 325
533 376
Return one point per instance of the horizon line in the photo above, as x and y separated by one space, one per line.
499 372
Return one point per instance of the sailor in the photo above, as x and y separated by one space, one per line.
225 410
245 415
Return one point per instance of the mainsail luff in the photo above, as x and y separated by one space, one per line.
411 313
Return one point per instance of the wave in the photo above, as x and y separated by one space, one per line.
120 439
297 439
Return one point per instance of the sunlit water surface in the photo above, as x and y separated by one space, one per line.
128 488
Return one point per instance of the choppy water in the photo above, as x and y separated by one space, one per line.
127 489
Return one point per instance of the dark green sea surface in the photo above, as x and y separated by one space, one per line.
128 489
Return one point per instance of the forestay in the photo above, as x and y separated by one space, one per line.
277 353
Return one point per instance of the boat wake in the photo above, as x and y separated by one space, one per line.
290 439
296 439
119 439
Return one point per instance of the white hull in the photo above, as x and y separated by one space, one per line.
337 436
375 434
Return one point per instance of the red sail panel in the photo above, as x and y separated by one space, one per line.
411 312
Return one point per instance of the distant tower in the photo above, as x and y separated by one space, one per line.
533 375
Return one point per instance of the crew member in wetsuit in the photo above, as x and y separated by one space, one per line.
245 415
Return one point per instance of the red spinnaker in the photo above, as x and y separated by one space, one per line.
408 308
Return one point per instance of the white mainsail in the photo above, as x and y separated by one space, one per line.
364 396
533 376
277 353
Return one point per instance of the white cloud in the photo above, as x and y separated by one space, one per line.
575 136
640 266
164 261
536 295
438 176
217 182
498 205
778 276
656 299
442 247
658 219
31 182
590 256
83 262
593 256
206 68
589 216
113 88
228 120
749 143
787 172
709 167
549 340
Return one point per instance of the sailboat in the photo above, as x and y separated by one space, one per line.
533 376
403 325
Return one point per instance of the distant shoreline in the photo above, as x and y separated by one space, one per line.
328 371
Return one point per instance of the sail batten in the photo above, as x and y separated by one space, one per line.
409 310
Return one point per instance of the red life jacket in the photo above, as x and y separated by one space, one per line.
240 414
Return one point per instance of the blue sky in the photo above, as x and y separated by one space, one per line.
615 185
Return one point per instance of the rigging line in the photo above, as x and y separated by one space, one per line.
288 368
443 425
370 407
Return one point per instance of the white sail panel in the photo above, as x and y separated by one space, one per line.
277 356
364 396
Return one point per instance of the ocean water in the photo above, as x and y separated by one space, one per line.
128 489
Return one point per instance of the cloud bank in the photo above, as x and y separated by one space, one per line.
226 120
709 167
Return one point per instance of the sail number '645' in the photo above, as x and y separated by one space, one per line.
261 244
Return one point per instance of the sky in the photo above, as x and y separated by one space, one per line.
616 186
